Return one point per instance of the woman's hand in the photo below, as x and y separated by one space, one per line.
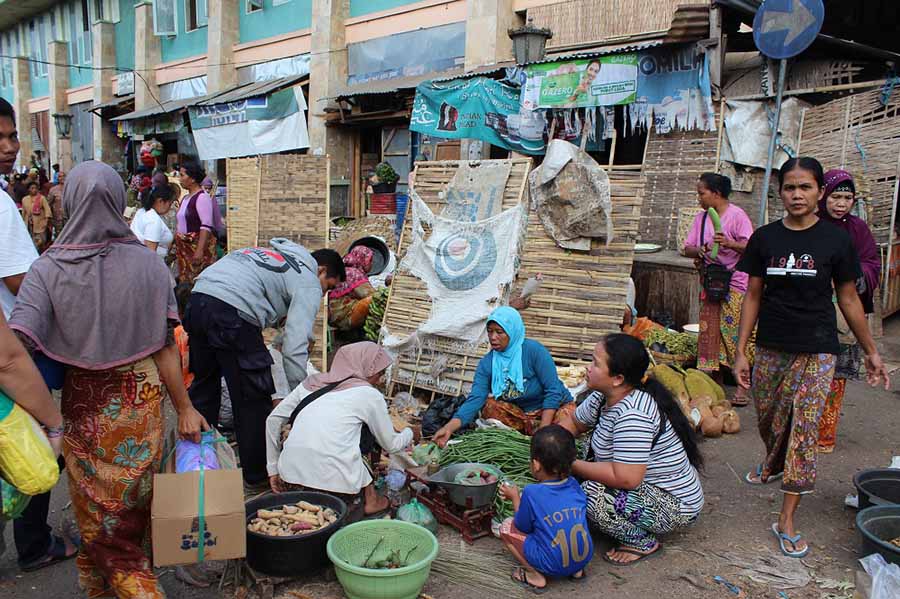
197 258
742 370
445 432
276 484
722 240
190 424
876 371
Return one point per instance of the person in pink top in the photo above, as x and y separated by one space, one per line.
195 239
719 319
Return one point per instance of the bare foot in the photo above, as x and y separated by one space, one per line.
379 504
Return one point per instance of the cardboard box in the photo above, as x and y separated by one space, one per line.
175 525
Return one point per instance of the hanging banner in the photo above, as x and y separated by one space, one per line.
477 108
262 125
673 88
600 81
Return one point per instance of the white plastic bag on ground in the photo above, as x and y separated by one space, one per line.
885 577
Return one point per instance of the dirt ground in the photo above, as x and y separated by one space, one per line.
731 540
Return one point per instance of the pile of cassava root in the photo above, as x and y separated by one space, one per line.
292 520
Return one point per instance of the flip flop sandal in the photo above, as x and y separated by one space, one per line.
758 473
55 554
522 581
740 401
581 578
782 537
629 550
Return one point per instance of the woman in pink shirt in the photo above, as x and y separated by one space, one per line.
195 238
719 320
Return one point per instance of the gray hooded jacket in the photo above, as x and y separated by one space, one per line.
267 285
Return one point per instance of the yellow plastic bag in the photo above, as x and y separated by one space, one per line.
26 458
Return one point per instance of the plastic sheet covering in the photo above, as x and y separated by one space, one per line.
407 54
571 195
748 125
26 459
183 90
465 265
292 66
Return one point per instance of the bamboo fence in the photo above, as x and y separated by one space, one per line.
582 296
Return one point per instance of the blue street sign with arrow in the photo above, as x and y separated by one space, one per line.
785 28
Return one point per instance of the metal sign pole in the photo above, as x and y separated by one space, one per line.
782 69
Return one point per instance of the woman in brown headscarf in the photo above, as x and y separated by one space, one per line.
100 302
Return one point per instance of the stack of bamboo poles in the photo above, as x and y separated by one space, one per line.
582 296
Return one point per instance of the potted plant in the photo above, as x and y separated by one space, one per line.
385 179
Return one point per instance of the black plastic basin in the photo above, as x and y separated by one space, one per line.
880 486
877 526
291 556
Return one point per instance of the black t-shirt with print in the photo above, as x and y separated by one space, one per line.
798 267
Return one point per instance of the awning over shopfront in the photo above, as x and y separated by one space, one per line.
120 102
262 117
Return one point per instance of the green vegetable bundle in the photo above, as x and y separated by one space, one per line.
372 326
679 344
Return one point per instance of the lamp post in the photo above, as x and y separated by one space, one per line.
529 42
63 123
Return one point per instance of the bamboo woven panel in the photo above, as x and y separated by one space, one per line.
281 196
860 134
672 164
243 202
582 21
581 298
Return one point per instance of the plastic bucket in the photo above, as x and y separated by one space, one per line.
879 486
877 527
383 203
382 253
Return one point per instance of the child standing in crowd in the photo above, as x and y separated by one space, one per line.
549 533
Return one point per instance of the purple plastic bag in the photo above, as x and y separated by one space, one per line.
187 457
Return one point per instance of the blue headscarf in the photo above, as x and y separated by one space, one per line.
507 365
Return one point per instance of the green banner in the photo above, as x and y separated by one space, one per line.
477 108
601 81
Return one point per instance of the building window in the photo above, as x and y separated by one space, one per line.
37 40
165 15
254 5
106 10
279 2
195 11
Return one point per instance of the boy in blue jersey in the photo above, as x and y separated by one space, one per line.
549 533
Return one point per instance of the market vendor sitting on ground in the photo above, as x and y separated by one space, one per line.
232 302
321 451
348 303
515 383
640 477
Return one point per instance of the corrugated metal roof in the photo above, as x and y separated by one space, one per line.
158 109
690 23
250 90
601 51
119 101
390 86
479 71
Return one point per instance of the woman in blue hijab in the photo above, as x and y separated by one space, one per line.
515 383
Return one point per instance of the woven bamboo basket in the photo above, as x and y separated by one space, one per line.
679 359
685 220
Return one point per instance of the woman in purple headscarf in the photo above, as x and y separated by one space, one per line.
835 207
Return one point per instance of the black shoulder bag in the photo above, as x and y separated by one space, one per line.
716 278
313 397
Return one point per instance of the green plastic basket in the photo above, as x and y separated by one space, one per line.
349 547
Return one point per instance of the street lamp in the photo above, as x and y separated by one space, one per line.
529 42
63 123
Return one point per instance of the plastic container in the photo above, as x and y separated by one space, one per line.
351 545
383 203
402 201
879 486
877 526
291 556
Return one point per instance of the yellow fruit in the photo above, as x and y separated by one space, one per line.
674 384
719 396
697 386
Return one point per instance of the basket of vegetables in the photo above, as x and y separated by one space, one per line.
287 532
382 559
670 347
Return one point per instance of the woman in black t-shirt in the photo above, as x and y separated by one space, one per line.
793 265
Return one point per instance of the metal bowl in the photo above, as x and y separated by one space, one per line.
467 496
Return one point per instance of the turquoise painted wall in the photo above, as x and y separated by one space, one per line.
40 86
186 43
365 7
80 76
274 20
125 35
7 93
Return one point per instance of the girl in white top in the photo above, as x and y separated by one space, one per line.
148 225
322 450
